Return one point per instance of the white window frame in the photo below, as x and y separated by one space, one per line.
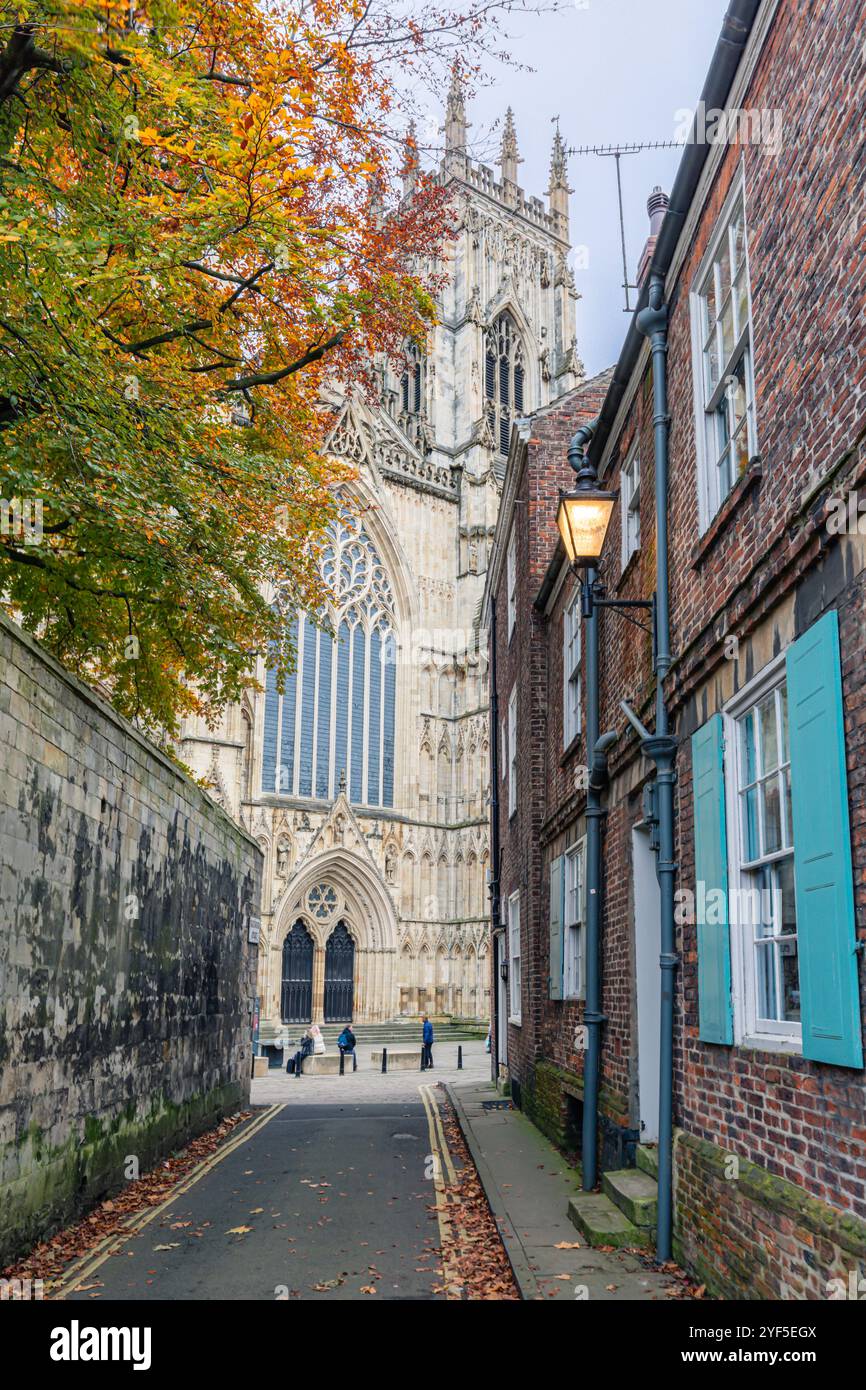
709 401
574 942
514 1014
773 1035
504 749
512 752
629 495
511 578
571 670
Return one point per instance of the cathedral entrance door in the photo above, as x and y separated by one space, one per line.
339 975
296 1003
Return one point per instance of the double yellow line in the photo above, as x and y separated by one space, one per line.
86 1266
441 1155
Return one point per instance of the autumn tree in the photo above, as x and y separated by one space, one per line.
197 228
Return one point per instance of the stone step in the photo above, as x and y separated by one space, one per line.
600 1222
647 1159
635 1193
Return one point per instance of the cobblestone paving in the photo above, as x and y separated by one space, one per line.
367 1085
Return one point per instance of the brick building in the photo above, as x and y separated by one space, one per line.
762 262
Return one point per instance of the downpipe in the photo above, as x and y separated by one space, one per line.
660 747
593 1017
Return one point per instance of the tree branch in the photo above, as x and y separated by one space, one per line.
271 378
21 56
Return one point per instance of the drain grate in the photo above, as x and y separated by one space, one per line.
496 1105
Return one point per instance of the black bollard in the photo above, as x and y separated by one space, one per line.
342 1062
297 1064
460 1057
384 1060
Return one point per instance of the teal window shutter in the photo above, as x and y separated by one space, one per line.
829 992
711 869
557 888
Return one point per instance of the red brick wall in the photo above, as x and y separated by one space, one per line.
765 562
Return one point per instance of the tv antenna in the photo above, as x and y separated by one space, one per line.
616 153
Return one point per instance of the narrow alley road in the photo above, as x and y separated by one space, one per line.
311 1201
335 1188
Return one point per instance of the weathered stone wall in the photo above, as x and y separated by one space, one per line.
126 977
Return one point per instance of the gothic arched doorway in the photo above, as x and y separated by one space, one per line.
296 1000
339 975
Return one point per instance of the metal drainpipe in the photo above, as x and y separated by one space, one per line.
596 756
494 848
652 322
592 1012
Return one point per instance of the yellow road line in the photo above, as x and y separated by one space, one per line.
453 1287
443 1142
87 1264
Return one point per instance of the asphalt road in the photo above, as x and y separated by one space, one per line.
328 1192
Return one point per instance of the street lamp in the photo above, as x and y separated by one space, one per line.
584 514
583 518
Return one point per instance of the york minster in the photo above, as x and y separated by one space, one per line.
366 782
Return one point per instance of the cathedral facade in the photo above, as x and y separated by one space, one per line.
366 781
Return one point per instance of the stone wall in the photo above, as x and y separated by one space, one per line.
126 977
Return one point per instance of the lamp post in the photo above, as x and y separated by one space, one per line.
583 518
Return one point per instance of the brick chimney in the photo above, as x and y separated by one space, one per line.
657 205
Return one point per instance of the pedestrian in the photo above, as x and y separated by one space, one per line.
318 1041
346 1041
427 1044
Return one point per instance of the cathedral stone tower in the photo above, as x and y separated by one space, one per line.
366 782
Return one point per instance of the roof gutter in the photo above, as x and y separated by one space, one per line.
730 46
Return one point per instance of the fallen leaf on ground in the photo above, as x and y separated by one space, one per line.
239 1231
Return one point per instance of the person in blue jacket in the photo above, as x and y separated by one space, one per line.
427 1040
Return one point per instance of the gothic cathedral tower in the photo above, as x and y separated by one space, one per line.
366 782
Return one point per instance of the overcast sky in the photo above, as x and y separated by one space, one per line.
614 71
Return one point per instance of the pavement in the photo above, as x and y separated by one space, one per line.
367 1084
528 1185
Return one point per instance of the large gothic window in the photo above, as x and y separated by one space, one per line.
335 718
503 379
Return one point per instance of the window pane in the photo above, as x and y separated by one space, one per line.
727 326
772 808
786 910
724 264
789 823
749 817
740 449
739 244
765 965
767 734
790 981
783 715
710 304
741 300
748 769
711 365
